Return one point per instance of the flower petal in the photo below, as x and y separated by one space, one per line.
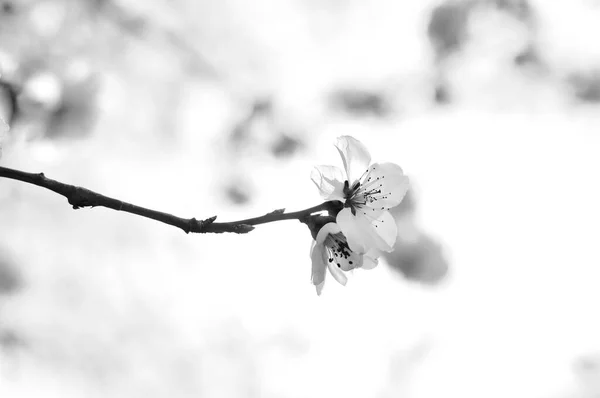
337 273
380 229
318 266
330 228
352 230
320 288
330 182
374 229
355 156
355 260
370 259
384 186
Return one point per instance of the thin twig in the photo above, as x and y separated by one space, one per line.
80 197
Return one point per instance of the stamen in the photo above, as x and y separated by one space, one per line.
370 181
338 250
365 191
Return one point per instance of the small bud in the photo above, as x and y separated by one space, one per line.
278 211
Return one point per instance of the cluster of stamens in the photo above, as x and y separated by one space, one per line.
365 191
338 249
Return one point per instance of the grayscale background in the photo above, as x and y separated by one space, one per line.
201 108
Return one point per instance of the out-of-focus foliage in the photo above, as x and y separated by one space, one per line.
361 102
586 86
416 255
10 279
47 69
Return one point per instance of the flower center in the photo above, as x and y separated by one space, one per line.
349 192
349 195
365 191
338 249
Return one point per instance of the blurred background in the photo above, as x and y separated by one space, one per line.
201 108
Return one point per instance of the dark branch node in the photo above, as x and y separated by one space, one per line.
81 197
190 225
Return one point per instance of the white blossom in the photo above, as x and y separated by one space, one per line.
367 191
330 250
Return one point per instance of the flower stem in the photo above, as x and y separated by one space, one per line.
80 197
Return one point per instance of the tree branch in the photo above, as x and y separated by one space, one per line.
80 197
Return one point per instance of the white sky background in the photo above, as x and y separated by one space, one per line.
505 178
